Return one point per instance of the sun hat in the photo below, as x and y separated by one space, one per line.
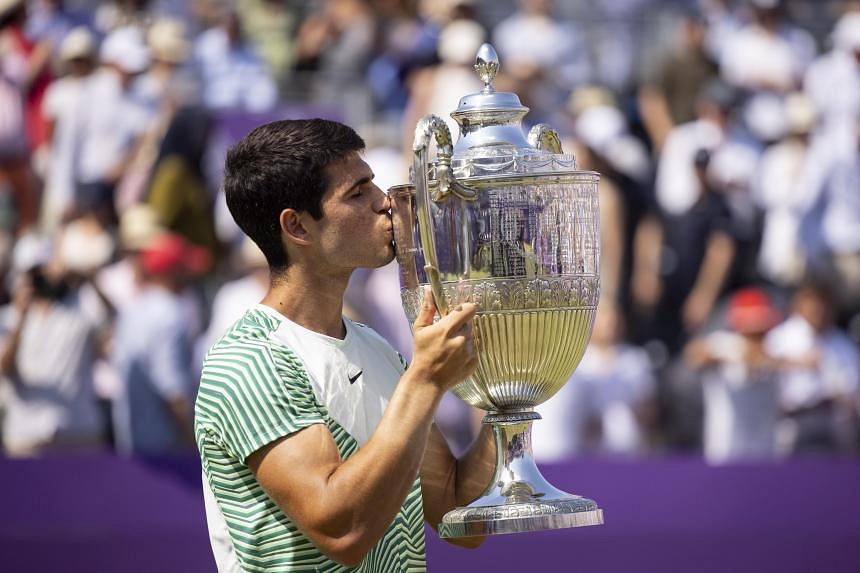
171 254
751 311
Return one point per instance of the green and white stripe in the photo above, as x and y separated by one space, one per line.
253 391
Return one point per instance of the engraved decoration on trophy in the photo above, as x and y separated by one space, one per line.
508 222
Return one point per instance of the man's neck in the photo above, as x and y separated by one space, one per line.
310 300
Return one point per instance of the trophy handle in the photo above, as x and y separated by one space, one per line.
542 136
433 126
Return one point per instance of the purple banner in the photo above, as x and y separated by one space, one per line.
102 513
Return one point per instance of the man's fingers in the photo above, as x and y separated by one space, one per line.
460 315
428 310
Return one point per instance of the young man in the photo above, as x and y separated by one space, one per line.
318 449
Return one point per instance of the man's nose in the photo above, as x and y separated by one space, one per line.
384 202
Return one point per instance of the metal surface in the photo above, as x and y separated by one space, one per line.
519 499
506 222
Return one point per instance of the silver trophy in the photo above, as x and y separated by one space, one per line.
509 223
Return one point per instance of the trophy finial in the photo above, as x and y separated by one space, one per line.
487 66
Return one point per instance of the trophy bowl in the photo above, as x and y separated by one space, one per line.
507 222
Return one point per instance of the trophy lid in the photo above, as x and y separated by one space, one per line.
489 117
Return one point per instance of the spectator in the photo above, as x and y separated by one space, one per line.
767 59
112 121
61 108
51 343
168 82
786 186
405 43
768 54
670 99
24 77
48 21
677 185
116 14
626 199
270 25
543 57
336 44
167 85
231 73
153 353
834 218
681 282
178 192
821 376
741 381
438 89
833 84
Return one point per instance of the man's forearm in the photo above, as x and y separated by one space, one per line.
348 509
448 482
475 468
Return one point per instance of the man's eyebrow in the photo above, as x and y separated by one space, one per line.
360 182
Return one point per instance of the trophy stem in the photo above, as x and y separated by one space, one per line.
518 498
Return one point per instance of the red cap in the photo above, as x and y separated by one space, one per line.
169 253
751 311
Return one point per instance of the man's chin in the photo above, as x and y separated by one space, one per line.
382 260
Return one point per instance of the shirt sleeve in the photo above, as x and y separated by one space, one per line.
252 394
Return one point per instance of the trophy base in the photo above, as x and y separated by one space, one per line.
520 517
518 499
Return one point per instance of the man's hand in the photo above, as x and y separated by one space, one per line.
444 352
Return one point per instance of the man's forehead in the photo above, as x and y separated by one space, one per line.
347 170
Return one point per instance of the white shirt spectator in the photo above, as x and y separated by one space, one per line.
833 83
677 186
62 105
50 402
607 386
755 58
837 372
741 406
111 119
788 180
232 76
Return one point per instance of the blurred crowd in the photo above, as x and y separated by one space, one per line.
727 134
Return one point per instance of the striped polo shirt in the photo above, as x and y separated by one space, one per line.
266 378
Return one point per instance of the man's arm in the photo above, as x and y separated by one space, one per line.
448 482
344 507
719 254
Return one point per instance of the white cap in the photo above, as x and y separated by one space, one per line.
167 41
31 250
846 34
765 117
78 43
139 227
800 113
598 126
125 48
85 247
459 41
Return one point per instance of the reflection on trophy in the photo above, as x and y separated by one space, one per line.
506 222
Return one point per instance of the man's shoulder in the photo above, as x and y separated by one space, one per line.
247 344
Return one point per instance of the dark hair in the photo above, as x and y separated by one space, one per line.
280 166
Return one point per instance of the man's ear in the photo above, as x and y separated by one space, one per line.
293 226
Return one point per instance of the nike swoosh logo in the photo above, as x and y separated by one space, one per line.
352 379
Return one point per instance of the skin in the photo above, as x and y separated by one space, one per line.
345 506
